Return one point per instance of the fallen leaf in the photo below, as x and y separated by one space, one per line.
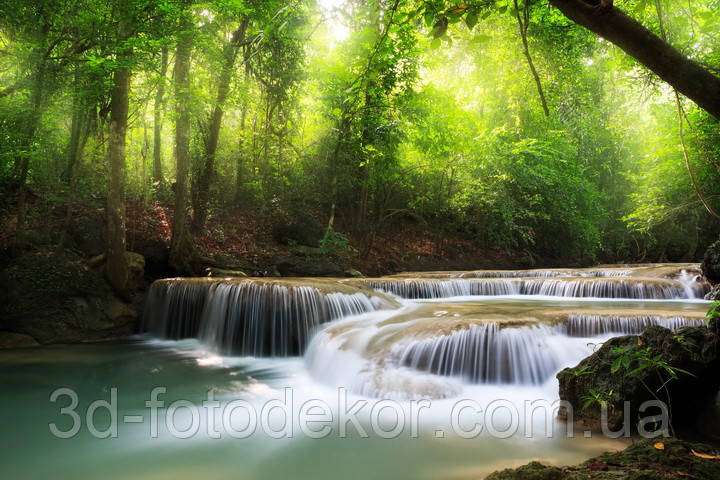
705 455
598 466
683 474
639 341
659 446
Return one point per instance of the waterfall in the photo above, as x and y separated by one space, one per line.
605 288
489 354
582 325
246 317
586 287
540 273
418 289
526 355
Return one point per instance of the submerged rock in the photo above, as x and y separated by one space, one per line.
16 340
603 375
667 458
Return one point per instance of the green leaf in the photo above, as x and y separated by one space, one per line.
440 27
615 365
471 19
429 17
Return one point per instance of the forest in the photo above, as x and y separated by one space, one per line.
505 125
398 200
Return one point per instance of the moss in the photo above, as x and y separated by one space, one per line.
640 461
531 471
59 298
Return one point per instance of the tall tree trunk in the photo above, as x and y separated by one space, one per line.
76 127
202 193
157 120
181 246
614 25
241 156
116 269
22 161
523 19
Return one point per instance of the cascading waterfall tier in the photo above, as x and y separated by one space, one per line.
584 325
531 355
486 354
586 287
420 289
251 317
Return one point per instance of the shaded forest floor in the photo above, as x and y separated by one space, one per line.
246 236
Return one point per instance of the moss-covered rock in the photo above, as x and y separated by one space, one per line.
219 272
301 229
531 471
352 273
662 459
692 349
711 263
302 266
58 298
228 262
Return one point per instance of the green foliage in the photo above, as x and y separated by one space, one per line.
423 109
595 397
578 373
333 242
635 361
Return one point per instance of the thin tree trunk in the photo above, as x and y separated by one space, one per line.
241 156
181 247
202 194
116 268
23 160
523 23
611 23
157 120
75 132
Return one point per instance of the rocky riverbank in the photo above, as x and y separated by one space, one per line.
660 459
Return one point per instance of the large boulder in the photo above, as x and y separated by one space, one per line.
305 266
87 235
302 229
58 298
661 459
691 349
157 257
224 261
711 263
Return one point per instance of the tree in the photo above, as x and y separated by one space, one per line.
181 246
523 19
606 20
202 191
158 108
116 268
684 74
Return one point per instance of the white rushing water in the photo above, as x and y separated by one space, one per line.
437 340
247 318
